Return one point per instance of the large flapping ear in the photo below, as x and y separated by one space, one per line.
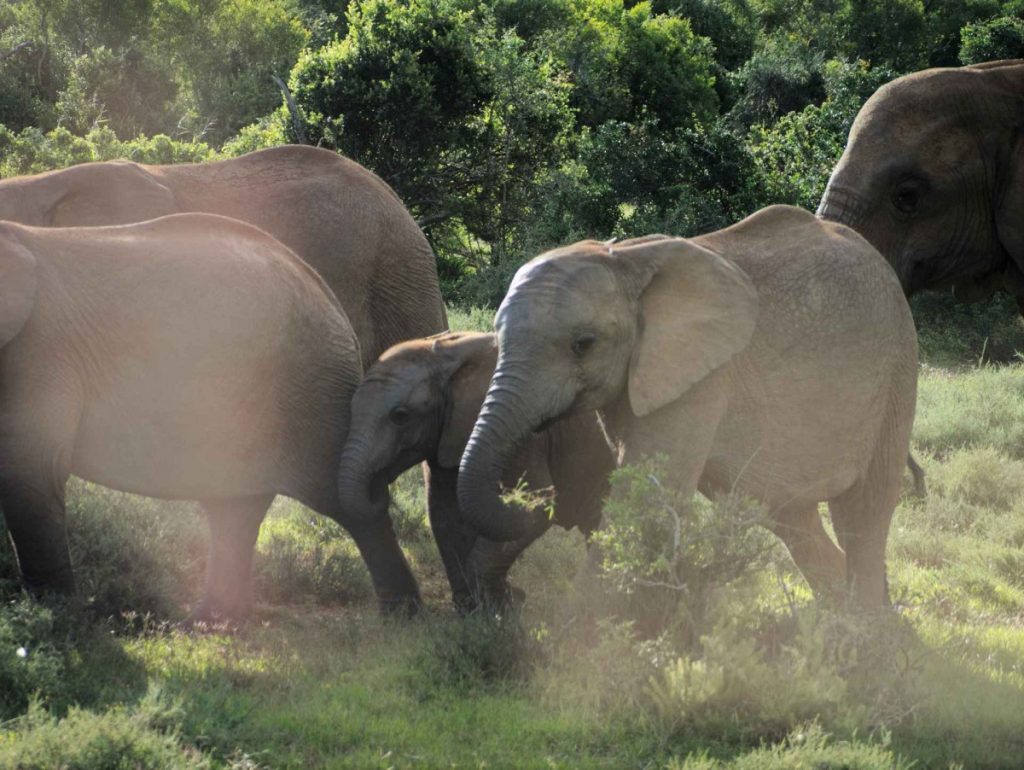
17 286
699 310
112 193
467 365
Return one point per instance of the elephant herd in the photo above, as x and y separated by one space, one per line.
273 324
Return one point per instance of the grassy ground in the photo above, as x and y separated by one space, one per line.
758 678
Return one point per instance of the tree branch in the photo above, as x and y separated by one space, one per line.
18 47
300 131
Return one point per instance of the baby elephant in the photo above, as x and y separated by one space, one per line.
187 357
419 402
776 357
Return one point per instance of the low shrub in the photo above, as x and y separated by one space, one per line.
670 555
119 739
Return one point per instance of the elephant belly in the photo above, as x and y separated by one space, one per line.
179 440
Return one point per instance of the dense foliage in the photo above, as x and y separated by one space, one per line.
507 126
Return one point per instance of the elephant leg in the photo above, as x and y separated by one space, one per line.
489 563
234 526
454 542
861 517
393 581
820 561
33 509
35 463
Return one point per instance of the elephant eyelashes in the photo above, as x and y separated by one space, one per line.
583 343
399 415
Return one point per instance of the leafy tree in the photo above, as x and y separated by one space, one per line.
780 78
626 64
1001 38
225 53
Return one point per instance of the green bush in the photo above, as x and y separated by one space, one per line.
806 746
119 739
305 557
33 654
1001 38
671 555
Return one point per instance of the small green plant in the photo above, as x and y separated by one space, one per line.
464 654
671 555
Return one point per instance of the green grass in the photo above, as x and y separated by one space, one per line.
318 680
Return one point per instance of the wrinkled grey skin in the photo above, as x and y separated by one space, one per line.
188 357
776 358
336 215
418 403
339 217
933 177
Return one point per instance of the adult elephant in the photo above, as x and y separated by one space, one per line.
188 357
776 357
418 403
336 215
933 177
339 217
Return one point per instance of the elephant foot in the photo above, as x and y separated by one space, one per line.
209 617
399 605
58 584
498 598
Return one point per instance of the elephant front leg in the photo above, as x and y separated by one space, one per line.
489 564
454 542
393 581
33 509
234 527
35 463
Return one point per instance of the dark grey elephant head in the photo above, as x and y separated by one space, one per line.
417 402
933 177
582 325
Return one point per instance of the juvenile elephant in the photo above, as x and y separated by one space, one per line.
776 357
933 177
419 402
188 357
340 218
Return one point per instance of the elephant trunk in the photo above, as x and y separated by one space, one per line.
362 493
503 426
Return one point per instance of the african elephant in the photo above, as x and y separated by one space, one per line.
933 177
340 218
776 357
188 357
419 402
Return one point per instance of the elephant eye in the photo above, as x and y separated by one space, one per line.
399 415
906 198
583 343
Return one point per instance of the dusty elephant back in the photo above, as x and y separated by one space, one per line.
198 350
833 359
339 217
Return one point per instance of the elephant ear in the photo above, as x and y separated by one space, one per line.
17 285
467 365
698 311
112 193
1008 162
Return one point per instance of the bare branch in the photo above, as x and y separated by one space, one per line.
300 131
18 47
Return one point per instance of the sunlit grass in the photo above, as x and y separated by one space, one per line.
319 680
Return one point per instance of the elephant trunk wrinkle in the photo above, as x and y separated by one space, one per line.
501 429
360 497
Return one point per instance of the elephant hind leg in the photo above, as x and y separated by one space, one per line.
820 561
234 526
861 517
